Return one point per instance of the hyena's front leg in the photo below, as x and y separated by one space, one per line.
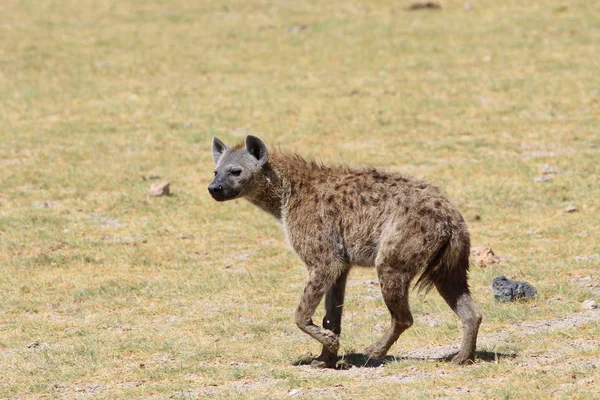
334 304
318 283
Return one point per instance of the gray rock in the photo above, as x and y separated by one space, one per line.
506 290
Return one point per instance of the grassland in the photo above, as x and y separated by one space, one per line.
106 292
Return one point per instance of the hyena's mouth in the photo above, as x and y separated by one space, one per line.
222 194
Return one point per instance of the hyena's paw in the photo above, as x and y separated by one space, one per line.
331 341
375 351
325 360
462 359
322 364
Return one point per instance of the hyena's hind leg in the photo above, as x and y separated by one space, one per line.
453 287
395 283
334 304
456 293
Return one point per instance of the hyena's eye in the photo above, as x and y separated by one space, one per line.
236 172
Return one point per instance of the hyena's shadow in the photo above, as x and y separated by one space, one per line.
360 360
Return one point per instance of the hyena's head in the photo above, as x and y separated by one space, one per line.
236 168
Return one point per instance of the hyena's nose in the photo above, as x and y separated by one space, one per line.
214 188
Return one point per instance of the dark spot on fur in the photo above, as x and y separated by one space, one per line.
317 199
437 204
330 199
351 205
363 200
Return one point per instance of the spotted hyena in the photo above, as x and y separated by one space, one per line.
338 216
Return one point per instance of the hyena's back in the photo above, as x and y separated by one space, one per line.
368 217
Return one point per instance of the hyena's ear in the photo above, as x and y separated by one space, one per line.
257 149
218 148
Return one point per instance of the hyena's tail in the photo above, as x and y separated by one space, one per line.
450 263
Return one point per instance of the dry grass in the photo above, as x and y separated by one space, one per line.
108 293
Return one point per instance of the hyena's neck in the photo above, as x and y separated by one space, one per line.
283 175
270 193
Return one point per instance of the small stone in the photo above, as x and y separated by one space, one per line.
484 256
467 6
589 305
159 189
506 290
543 178
297 28
547 169
570 209
293 392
